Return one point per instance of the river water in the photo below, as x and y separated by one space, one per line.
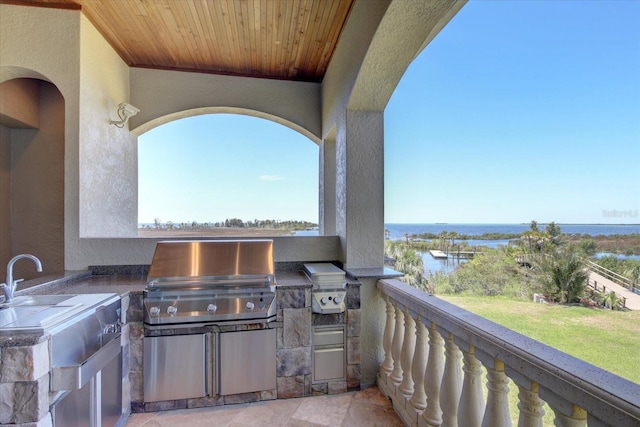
433 265
397 231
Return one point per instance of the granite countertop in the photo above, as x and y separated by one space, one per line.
291 278
82 282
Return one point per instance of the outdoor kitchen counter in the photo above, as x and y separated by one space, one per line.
82 282
71 283
118 284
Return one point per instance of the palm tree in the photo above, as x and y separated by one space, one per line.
453 236
443 240
611 300
563 276
634 274
554 233
409 262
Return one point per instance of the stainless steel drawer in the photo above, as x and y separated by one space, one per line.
328 337
328 364
328 353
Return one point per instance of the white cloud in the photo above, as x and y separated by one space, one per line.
272 178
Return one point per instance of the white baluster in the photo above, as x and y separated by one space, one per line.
577 419
497 411
396 347
408 350
530 407
433 378
419 398
387 366
471 407
451 383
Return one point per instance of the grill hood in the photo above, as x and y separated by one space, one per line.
211 261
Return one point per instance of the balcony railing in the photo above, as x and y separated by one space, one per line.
435 353
611 275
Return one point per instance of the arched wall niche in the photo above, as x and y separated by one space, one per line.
10 72
32 140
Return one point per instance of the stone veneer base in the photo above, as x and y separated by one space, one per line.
294 322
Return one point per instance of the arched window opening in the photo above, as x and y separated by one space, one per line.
226 175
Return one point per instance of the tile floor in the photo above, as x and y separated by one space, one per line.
365 408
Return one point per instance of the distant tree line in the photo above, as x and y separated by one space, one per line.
457 236
272 224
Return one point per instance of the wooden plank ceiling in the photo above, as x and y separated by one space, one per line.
280 39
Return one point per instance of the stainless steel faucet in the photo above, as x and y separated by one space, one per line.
9 287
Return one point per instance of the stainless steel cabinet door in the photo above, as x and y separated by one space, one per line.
247 361
75 409
111 392
174 367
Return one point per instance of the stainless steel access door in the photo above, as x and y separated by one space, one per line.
178 367
247 361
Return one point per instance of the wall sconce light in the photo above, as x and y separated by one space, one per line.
124 112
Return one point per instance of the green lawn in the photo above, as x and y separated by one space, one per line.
608 339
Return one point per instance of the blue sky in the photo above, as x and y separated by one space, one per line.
516 111
214 167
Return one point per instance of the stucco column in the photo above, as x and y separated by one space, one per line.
360 188
327 171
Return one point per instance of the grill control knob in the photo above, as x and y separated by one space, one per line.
154 311
212 308
324 300
250 305
337 300
171 309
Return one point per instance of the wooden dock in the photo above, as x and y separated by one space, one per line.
437 254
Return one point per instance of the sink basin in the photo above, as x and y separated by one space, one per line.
37 314
36 300
32 316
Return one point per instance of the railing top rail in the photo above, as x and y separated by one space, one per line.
603 394
612 274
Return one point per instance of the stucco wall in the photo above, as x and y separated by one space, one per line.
347 59
164 96
5 165
108 164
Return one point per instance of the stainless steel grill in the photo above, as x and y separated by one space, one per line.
194 288
210 282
